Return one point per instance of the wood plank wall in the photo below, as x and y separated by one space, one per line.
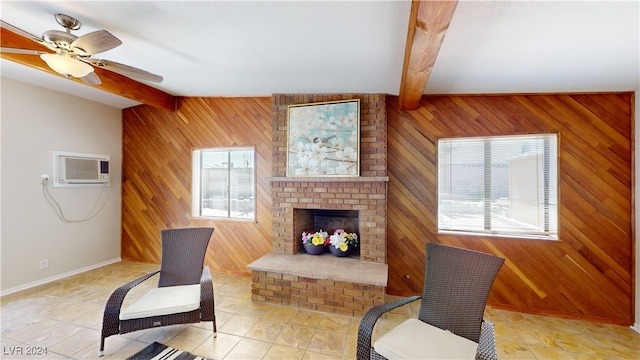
156 187
587 274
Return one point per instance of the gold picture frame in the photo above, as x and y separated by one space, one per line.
323 139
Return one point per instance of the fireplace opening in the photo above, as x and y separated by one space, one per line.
327 220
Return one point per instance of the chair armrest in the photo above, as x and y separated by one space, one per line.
487 344
365 330
207 312
111 319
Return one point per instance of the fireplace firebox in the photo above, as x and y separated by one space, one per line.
327 220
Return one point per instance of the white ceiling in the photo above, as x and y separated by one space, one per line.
242 48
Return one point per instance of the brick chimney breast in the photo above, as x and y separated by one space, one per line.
366 194
345 285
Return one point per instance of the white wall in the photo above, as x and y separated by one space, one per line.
34 122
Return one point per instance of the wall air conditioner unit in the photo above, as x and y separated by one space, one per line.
70 169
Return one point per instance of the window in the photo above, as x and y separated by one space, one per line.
506 185
223 183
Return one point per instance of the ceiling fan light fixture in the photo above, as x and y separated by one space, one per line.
67 65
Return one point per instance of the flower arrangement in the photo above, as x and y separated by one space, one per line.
315 238
342 240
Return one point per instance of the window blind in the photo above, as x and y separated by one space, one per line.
502 185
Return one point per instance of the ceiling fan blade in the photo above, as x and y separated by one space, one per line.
91 79
9 50
27 35
18 31
125 70
95 42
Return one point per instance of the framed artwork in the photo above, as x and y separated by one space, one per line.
323 139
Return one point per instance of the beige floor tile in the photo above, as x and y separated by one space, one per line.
46 332
351 347
78 313
230 305
77 342
238 325
90 315
218 347
508 350
620 347
541 352
281 313
312 355
507 333
353 327
222 317
255 309
328 342
243 294
130 348
307 318
281 352
583 356
575 342
335 323
295 336
266 330
239 290
190 339
13 320
222 278
35 305
248 349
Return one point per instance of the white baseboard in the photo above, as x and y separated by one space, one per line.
58 277
636 327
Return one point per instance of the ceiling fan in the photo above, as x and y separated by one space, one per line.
72 57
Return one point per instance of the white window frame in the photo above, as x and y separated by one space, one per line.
456 209
196 187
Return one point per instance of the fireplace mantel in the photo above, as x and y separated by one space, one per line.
333 179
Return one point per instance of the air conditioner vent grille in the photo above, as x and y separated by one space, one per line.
81 168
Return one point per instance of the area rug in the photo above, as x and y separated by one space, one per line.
157 351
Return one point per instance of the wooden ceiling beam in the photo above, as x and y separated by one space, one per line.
111 82
428 25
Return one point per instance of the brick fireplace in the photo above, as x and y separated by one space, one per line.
299 202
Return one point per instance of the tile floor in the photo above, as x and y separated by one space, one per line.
65 318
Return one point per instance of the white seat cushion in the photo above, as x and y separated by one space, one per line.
164 301
414 339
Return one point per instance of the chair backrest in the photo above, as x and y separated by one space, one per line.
183 253
456 286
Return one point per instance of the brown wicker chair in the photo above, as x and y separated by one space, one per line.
184 294
456 286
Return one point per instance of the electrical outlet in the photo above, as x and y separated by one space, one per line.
44 264
44 178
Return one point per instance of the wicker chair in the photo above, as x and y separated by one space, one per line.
449 325
184 294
